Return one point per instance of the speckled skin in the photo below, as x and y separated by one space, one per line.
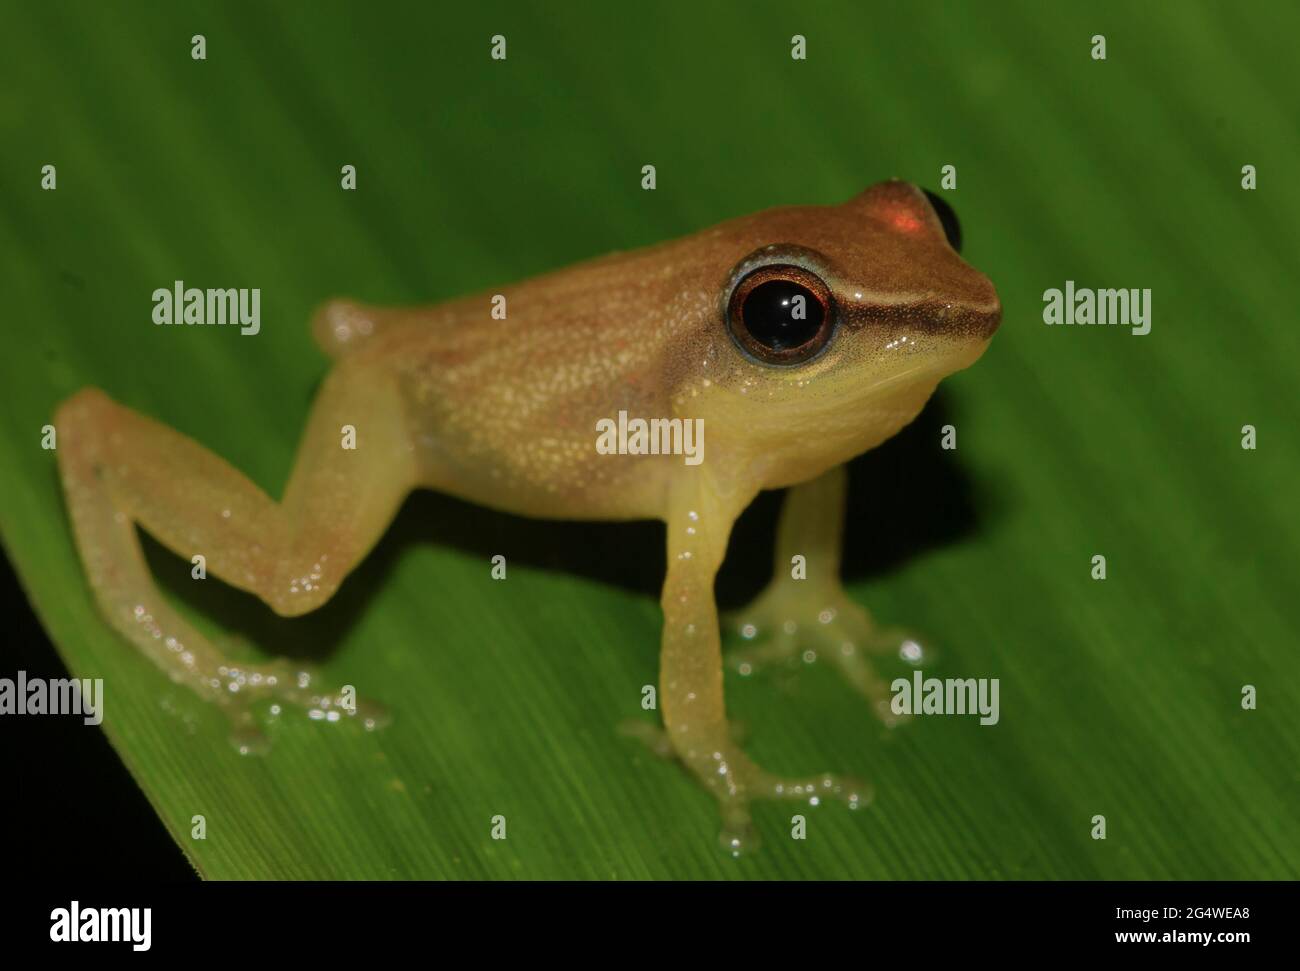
505 409
503 413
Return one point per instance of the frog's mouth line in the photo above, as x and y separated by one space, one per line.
939 370
881 387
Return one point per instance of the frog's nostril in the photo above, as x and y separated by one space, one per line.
989 317
992 318
951 226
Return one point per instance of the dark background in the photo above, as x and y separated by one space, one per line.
72 787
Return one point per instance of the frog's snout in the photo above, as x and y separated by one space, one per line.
990 317
973 318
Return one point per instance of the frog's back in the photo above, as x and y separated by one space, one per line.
504 407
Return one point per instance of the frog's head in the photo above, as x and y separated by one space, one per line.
837 325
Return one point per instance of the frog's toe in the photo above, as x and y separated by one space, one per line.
256 694
785 627
739 836
850 654
301 687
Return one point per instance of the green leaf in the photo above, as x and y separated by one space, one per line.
1119 697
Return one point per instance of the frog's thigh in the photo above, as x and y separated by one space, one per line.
120 468
292 554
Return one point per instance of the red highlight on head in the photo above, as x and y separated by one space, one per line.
905 221
900 206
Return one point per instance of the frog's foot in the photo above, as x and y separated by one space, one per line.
792 623
246 690
736 781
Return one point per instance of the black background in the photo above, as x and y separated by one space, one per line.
72 789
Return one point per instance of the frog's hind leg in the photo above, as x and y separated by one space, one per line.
121 469
811 618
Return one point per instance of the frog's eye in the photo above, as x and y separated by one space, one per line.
947 217
781 314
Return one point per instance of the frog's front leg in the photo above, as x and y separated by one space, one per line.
120 468
810 618
694 713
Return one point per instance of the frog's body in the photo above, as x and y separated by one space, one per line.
505 411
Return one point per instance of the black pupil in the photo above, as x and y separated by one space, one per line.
782 314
